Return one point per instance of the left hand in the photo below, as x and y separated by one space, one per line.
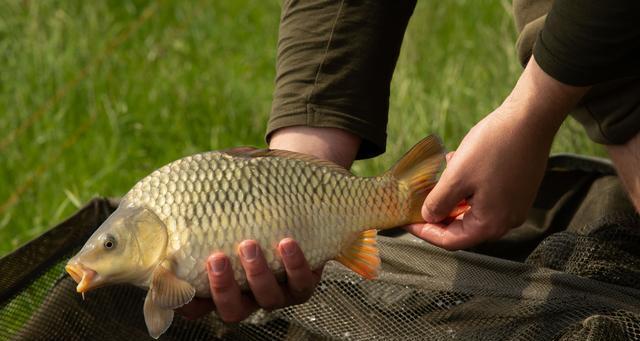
232 305
497 169
499 164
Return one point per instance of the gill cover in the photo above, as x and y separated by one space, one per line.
124 249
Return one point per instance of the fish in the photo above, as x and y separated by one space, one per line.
167 225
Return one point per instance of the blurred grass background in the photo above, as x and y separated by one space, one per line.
94 95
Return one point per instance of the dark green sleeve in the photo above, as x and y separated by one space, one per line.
334 66
585 42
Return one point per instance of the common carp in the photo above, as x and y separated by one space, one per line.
167 225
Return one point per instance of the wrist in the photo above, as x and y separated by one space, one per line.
333 144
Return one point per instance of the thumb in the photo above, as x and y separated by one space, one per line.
444 197
449 156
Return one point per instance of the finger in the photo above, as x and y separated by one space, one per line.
197 308
459 234
261 280
230 304
449 156
444 197
301 280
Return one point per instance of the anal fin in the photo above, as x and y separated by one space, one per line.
361 256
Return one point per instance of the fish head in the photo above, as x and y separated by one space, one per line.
124 249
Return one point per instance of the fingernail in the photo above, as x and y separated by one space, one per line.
249 250
289 247
217 264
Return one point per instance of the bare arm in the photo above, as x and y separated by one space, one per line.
337 145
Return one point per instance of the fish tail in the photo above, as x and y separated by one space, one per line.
416 173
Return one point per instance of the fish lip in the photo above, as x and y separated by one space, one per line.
74 272
86 278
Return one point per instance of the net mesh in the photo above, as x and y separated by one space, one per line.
571 272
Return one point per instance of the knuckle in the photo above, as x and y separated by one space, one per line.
220 284
433 207
291 264
254 271
226 301
296 264
218 287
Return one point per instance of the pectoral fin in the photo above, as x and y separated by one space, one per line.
157 319
362 255
169 291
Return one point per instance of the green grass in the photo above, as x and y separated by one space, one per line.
96 94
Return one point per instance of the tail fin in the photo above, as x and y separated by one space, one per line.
416 171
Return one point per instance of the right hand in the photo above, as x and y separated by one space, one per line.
233 305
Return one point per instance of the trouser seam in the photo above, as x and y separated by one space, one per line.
311 117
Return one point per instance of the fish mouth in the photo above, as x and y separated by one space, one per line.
85 277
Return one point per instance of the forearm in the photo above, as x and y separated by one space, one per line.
337 145
539 103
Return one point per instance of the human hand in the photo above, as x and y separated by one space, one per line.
232 305
497 170
499 164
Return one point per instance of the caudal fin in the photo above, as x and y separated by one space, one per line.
417 170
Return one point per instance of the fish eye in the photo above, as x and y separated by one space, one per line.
109 242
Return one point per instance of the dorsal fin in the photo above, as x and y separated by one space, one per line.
239 151
265 152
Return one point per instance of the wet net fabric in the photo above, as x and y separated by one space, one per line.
571 272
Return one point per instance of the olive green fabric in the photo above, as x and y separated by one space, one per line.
577 278
588 43
336 59
334 66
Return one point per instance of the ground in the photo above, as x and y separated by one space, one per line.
95 95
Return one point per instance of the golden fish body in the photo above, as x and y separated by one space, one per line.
211 202
172 220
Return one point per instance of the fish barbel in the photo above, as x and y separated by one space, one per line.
170 222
